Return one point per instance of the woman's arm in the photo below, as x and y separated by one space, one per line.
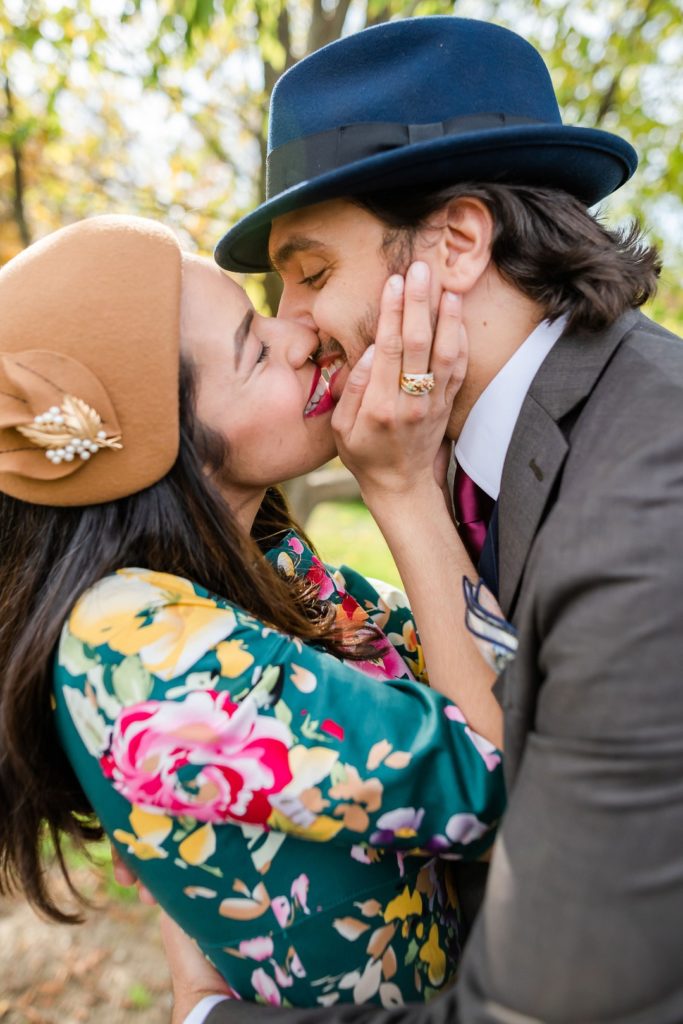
432 562
193 708
391 441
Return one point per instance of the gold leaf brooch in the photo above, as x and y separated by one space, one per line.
69 431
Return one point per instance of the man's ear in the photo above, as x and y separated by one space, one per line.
464 247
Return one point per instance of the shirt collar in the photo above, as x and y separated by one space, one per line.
486 434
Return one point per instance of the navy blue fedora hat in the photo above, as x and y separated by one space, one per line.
423 101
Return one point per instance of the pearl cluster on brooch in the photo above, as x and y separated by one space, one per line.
70 431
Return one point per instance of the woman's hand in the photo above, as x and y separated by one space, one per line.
392 443
192 975
124 876
391 440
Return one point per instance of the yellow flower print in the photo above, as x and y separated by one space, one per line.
154 615
250 905
320 830
294 809
199 846
285 564
304 680
403 905
309 766
361 791
150 832
233 658
354 817
435 958
409 635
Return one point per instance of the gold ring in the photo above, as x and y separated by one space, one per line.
417 383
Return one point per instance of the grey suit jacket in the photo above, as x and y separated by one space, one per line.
583 916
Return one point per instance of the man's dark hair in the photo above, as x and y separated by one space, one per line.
545 243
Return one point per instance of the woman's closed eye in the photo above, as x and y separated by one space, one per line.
263 354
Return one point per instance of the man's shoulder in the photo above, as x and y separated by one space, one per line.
660 348
626 440
640 391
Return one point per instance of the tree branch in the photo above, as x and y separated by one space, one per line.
325 26
18 203
609 96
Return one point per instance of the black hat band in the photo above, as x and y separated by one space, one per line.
314 155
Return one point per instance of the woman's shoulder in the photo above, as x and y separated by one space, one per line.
141 595
132 589
166 622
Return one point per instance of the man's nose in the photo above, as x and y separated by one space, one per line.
292 308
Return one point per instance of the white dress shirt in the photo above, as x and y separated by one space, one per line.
485 438
202 1010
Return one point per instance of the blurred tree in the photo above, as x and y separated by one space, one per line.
276 33
619 67
161 107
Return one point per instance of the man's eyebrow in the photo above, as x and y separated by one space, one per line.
293 245
241 335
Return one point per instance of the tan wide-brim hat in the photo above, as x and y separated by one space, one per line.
89 361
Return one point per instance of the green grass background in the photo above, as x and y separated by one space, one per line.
344 532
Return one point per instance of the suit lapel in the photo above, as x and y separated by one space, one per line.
539 447
531 469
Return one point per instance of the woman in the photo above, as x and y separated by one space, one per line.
221 712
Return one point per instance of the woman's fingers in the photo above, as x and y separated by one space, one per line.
387 363
125 877
122 873
348 406
418 323
449 351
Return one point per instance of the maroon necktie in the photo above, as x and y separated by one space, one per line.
473 508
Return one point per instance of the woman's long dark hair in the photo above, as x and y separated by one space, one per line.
50 556
545 243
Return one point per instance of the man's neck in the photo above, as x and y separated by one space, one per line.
498 319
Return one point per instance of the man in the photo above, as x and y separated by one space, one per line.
440 139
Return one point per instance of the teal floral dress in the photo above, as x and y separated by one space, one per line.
295 813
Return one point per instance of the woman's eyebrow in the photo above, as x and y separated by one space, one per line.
241 335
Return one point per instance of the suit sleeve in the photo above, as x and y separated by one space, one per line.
441 1010
582 918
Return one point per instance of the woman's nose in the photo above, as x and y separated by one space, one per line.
294 340
302 342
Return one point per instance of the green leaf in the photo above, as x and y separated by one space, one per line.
338 775
283 713
411 953
132 682
309 729
268 680
72 656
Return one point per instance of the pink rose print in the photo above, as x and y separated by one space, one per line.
484 747
281 907
259 948
318 574
299 892
203 756
264 986
295 544
389 664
